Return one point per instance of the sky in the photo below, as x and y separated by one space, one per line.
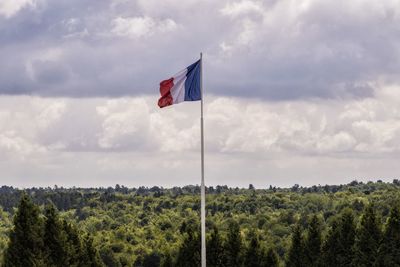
295 92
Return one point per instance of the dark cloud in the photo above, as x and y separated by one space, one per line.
276 50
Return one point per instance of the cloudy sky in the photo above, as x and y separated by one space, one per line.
296 91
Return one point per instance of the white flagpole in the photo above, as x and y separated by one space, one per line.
203 190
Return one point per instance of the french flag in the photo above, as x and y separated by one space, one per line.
183 86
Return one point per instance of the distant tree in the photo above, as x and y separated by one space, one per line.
214 249
251 187
189 252
389 251
295 257
233 245
25 247
271 259
312 244
338 247
252 255
368 237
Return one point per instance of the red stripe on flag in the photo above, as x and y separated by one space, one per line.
165 90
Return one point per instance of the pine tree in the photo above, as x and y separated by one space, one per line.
90 255
214 249
73 245
312 244
25 247
252 257
338 247
368 237
389 251
296 252
271 259
54 239
167 261
189 252
233 246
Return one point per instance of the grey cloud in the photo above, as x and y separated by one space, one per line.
270 50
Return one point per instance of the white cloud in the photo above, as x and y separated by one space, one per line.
244 7
113 137
9 8
137 27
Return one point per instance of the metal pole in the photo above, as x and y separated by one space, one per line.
203 190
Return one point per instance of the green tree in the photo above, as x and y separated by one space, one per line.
389 251
214 249
295 256
73 244
252 255
25 247
312 244
233 246
368 237
189 252
167 260
151 260
90 255
55 240
271 259
338 247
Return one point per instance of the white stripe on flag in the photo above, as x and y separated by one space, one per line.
178 90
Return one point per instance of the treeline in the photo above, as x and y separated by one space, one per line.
37 240
72 198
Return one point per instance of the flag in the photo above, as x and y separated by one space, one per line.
183 86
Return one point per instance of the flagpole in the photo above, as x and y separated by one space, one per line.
203 190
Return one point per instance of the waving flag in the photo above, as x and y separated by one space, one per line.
183 86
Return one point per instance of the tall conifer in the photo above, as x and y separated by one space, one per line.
295 256
214 249
312 244
367 239
25 247
338 247
252 257
389 251
233 246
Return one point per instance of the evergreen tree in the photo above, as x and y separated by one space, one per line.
167 261
25 247
271 259
252 257
90 255
295 254
338 247
73 246
55 239
367 239
389 251
189 252
312 244
233 246
151 260
214 249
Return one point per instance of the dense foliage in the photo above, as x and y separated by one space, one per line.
346 225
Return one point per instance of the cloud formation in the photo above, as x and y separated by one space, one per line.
273 50
293 141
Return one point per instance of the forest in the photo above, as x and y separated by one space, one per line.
356 224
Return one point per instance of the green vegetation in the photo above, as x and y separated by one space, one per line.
346 225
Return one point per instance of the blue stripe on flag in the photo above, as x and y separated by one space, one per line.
192 83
